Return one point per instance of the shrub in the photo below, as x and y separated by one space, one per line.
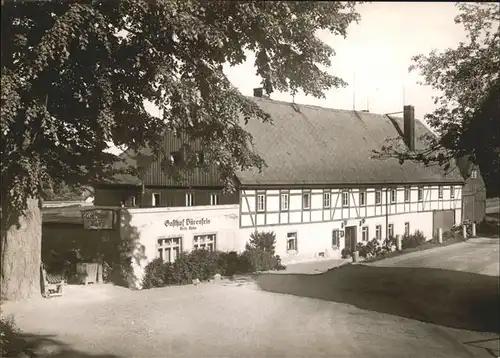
262 241
261 260
197 264
154 274
231 263
488 228
389 244
413 240
11 345
346 253
457 230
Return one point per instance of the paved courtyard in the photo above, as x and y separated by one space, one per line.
436 303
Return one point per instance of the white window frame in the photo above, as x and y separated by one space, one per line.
292 237
204 241
473 174
362 198
189 199
284 201
261 202
407 194
394 195
308 201
214 199
378 195
440 192
155 202
420 193
345 198
365 234
390 230
378 232
327 200
168 244
407 228
452 192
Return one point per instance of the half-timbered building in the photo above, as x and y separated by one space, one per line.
322 189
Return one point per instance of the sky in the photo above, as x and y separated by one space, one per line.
374 58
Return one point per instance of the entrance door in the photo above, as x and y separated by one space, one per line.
350 237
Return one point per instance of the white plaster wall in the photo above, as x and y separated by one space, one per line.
148 224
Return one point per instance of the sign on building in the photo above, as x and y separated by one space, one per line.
98 219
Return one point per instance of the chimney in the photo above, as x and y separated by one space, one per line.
258 92
409 126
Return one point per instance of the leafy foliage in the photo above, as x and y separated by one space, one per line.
413 240
466 120
75 77
263 241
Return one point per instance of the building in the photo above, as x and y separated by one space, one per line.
474 192
321 191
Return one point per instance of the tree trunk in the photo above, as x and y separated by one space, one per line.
21 247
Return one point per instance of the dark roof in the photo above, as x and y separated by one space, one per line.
315 145
308 145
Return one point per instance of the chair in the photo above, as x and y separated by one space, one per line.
52 286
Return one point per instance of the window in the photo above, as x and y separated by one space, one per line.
132 201
452 192
407 194
189 199
378 232
169 248
364 233
345 198
378 197
335 239
362 198
284 202
214 199
390 230
473 174
291 241
420 193
306 201
440 192
261 202
326 200
393 195
407 229
155 199
204 242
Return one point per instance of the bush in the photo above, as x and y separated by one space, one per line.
231 263
389 244
11 345
262 241
413 240
261 260
346 253
457 230
488 228
154 274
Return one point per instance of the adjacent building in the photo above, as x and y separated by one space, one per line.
322 189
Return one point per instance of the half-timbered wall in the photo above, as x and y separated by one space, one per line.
314 224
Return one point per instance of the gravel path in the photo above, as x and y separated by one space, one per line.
352 311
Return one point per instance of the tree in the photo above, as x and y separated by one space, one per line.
75 77
467 118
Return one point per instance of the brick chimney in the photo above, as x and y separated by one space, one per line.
409 126
258 92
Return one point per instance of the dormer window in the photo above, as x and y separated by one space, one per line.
473 174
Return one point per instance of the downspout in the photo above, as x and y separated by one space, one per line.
386 216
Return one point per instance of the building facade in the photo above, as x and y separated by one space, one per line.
322 190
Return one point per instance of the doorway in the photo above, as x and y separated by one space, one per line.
350 237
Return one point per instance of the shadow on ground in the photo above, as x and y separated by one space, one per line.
444 297
31 345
